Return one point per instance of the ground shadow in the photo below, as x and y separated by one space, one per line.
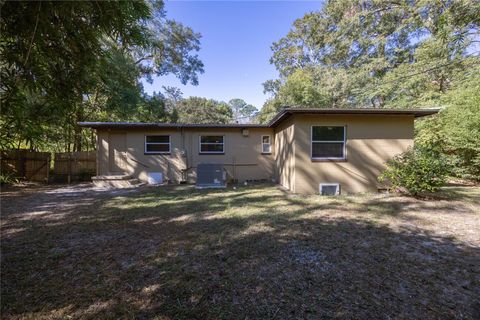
256 253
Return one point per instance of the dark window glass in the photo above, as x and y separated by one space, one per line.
266 139
327 133
158 139
211 139
327 150
158 148
211 148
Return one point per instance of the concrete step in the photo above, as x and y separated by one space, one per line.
116 181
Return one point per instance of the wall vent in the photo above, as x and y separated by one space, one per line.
329 189
155 177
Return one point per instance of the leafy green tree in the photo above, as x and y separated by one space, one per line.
64 62
203 110
374 53
242 111
456 130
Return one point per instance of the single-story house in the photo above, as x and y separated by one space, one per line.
304 150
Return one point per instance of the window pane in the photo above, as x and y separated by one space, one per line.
211 139
327 150
327 133
158 148
211 148
158 139
265 148
266 139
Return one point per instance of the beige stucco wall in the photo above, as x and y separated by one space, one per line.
284 154
371 140
242 159
102 152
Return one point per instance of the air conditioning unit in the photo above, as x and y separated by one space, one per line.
211 175
329 189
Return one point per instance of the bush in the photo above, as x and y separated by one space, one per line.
7 179
415 171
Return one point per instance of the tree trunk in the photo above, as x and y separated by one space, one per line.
78 130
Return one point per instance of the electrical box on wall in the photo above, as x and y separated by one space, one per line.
245 132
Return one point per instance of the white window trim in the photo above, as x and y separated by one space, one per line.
158 152
329 185
269 144
329 141
210 152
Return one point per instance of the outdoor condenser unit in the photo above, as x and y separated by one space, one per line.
211 175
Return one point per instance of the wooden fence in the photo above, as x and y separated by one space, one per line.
26 164
74 166
36 166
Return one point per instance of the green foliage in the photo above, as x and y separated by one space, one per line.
375 53
268 111
202 110
242 111
456 130
7 179
415 171
64 62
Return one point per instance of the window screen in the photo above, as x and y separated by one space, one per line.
328 142
157 144
266 144
211 144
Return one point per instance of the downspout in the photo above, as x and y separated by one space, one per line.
184 155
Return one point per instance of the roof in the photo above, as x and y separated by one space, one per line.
157 125
279 117
285 113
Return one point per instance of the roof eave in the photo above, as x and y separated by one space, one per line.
137 125
285 113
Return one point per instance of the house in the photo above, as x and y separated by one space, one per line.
304 150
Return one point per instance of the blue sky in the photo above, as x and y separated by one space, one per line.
235 45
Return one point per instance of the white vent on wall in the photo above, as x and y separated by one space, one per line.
155 178
329 189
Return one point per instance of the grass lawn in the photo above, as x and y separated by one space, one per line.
250 253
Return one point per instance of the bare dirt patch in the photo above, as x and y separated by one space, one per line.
254 252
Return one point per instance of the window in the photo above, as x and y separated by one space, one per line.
328 142
211 144
266 145
157 144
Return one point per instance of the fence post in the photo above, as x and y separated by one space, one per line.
69 179
48 169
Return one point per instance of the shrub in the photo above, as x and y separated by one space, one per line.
415 171
7 179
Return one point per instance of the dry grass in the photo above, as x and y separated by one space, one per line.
250 253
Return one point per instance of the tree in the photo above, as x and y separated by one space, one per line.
242 111
374 53
64 62
456 130
173 96
203 110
